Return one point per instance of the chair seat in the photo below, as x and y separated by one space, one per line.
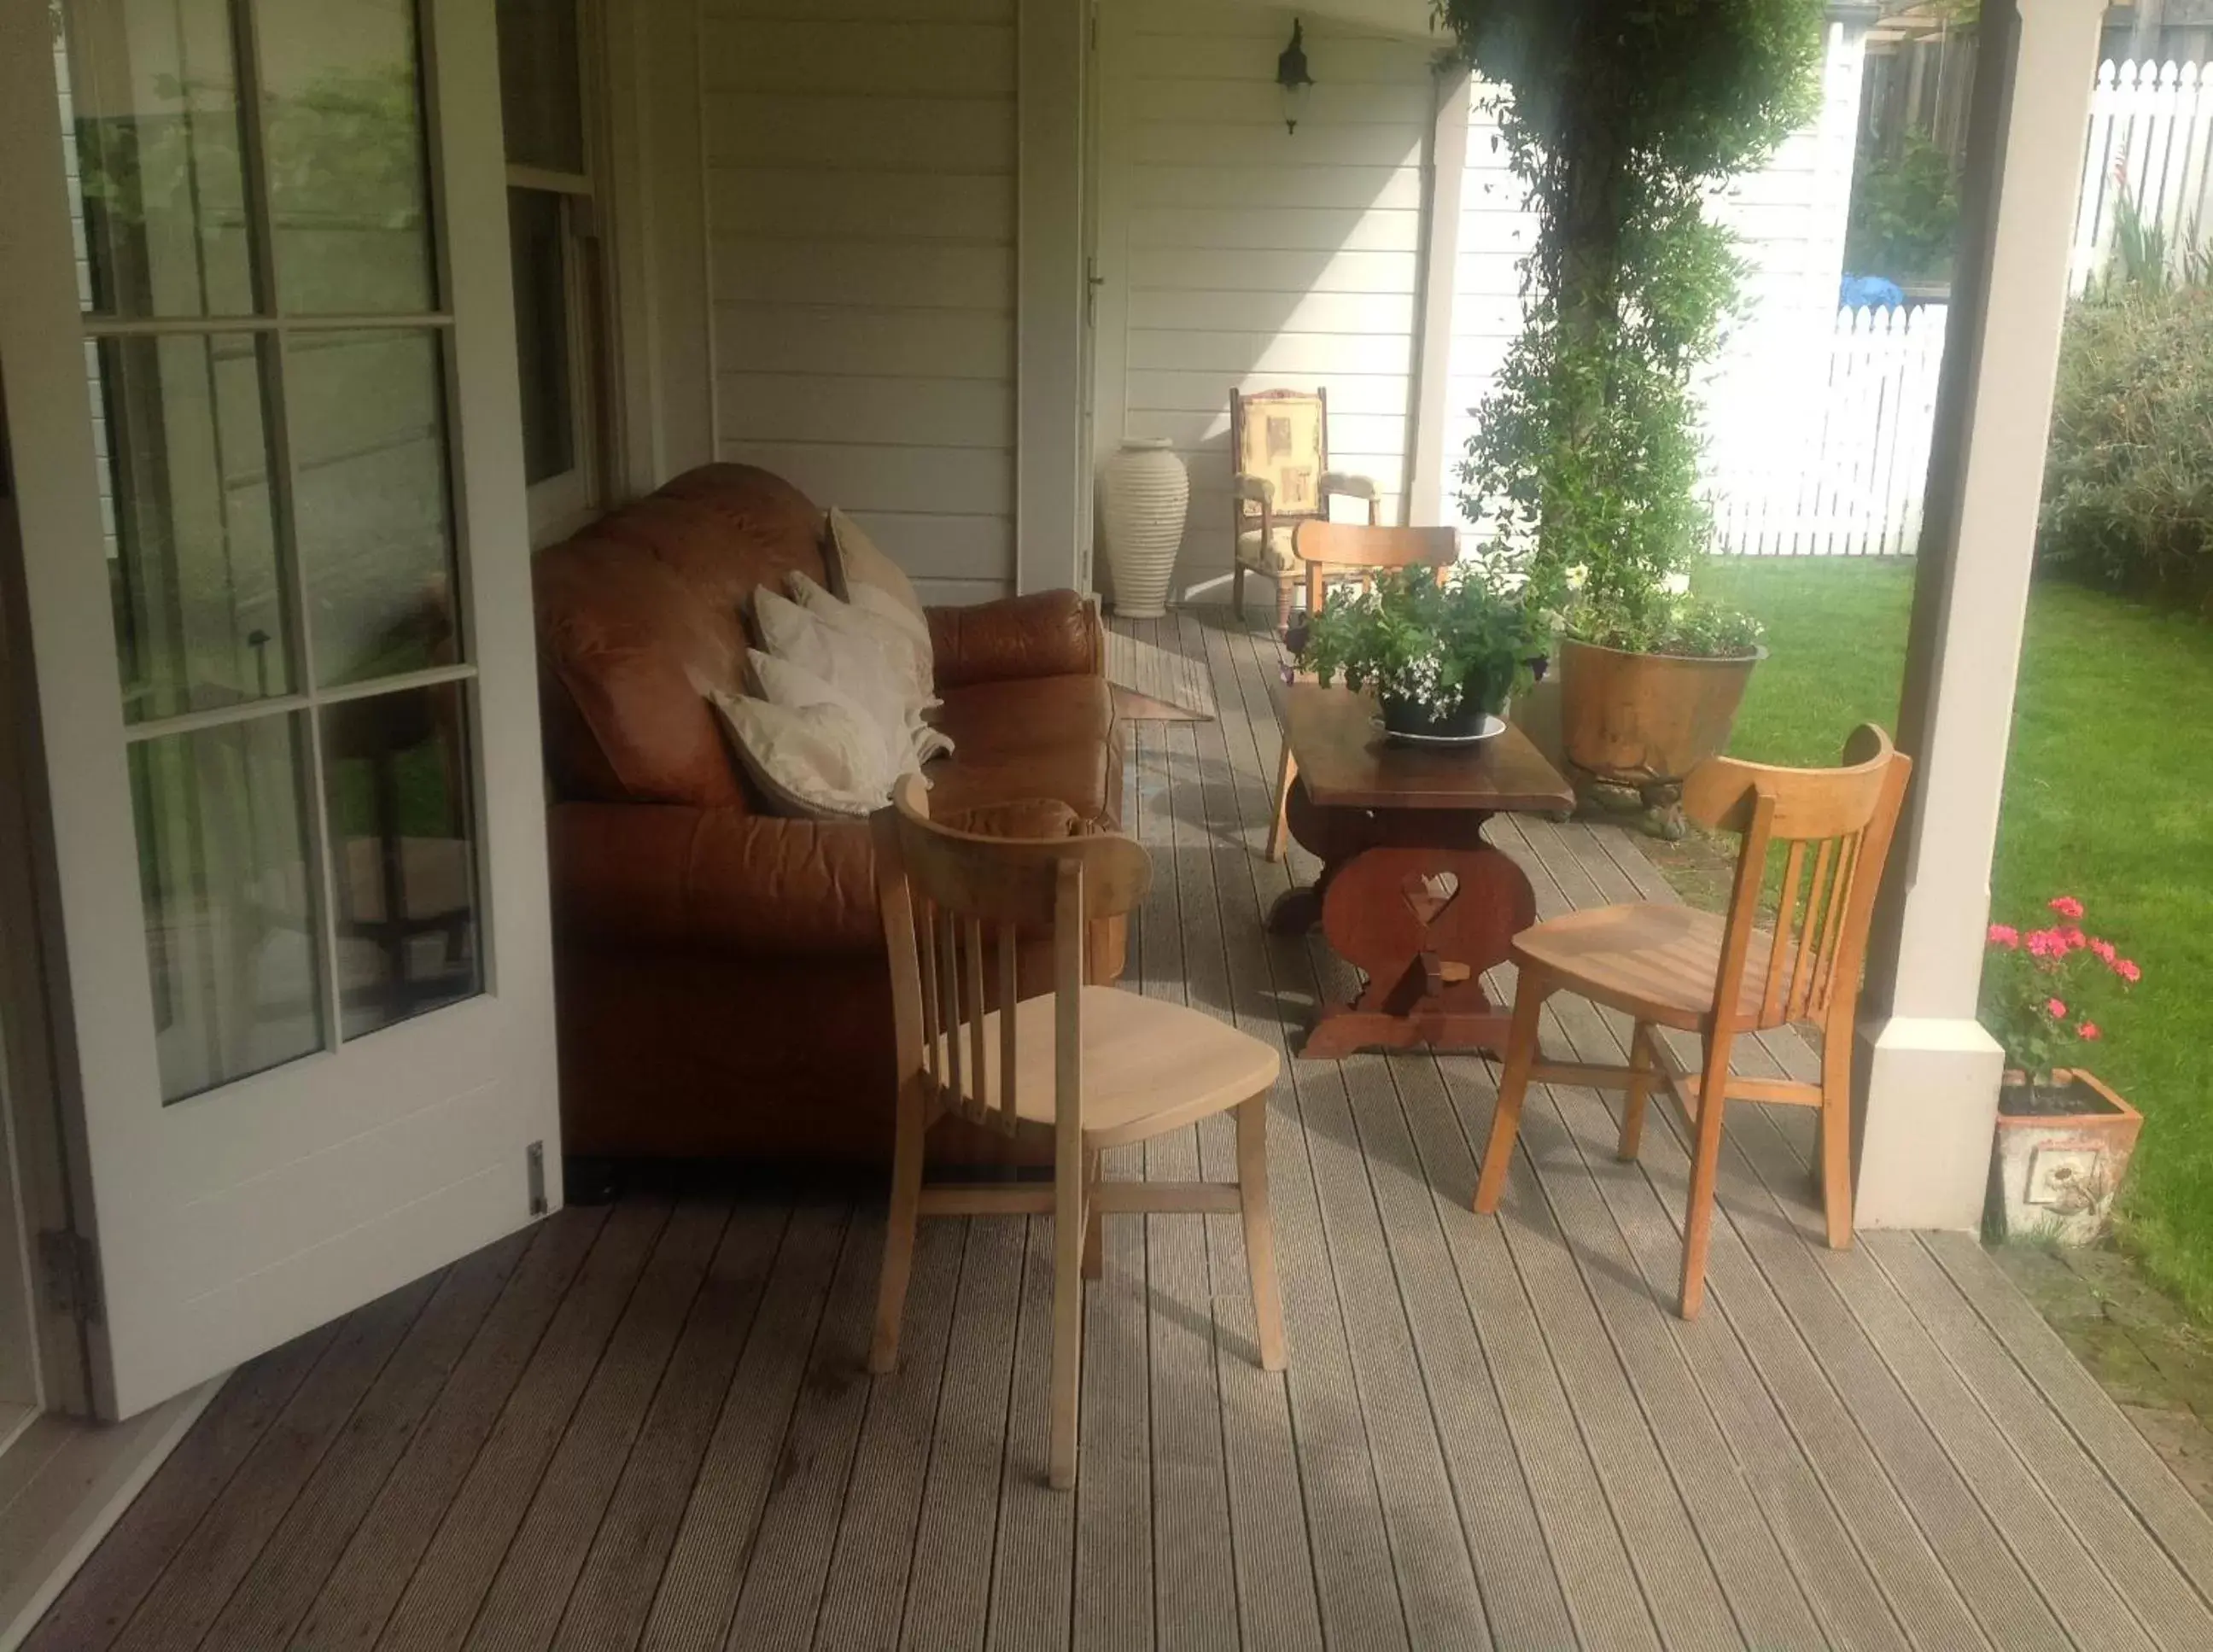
1276 555
1148 1066
1653 961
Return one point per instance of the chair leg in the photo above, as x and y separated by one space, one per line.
898 1237
1237 590
1093 1250
1068 1225
1529 995
1836 1142
1259 1229
1705 1168
1640 1087
1279 834
1283 604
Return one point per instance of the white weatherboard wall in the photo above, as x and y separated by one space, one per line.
1235 253
859 196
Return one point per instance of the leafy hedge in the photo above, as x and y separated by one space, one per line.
2128 495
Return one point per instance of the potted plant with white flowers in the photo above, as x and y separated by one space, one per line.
1443 649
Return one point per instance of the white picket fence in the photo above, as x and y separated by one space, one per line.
1807 457
1814 458
2151 143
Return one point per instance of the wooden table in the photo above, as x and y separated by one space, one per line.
1410 894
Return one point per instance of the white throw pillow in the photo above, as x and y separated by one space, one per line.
856 561
907 658
783 683
815 762
910 655
845 659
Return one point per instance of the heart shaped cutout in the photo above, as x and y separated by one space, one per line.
1429 894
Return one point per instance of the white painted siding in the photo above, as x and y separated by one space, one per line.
1247 256
860 204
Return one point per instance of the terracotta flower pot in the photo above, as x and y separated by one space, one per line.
1640 722
2061 1152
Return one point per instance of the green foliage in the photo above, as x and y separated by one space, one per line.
2144 259
1669 623
2128 490
1904 220
1441 640
1620 121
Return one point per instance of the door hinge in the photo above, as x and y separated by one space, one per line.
69 1267
534 1162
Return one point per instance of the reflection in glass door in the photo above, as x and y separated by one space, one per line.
270 352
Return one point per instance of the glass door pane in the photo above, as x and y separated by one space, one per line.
395 776
223 867
154 152
375 513
200 597
349 191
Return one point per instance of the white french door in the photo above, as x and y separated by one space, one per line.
257 350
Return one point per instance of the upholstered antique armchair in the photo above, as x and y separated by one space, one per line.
1279 448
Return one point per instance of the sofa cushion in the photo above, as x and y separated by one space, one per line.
640 618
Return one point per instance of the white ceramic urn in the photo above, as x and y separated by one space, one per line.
1145 492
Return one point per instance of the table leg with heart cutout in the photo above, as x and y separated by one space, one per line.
1421 905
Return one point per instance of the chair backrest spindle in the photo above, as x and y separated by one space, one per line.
939 890
1845 817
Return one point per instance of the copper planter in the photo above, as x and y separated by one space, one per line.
1639 723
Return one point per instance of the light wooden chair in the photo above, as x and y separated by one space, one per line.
1669 967
1336 552
1279 452
1095 1066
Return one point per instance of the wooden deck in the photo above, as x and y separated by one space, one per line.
648 1424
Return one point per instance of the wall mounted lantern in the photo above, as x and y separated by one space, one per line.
1291 74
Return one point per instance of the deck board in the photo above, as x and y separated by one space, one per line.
650 1425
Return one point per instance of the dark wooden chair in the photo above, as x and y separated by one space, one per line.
1721 978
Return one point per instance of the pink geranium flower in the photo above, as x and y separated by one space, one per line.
2127 969
2089 1031
2056 1009
2106 952
2044 944
2067 906
2005 934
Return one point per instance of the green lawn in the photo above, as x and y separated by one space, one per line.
2108 797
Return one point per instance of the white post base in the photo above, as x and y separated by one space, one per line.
1927 1112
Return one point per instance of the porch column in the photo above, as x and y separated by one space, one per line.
1929 1073
1051 503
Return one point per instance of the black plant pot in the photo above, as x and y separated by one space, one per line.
1411 717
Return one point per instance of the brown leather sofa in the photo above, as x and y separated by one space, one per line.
721 981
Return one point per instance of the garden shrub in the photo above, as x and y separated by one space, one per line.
2128 494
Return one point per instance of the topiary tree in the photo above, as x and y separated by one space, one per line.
1620 119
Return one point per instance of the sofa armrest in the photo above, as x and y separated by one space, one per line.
1046 634
643 874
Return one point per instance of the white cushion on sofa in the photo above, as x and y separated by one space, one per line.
821 760
792 687
854 659
909 655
